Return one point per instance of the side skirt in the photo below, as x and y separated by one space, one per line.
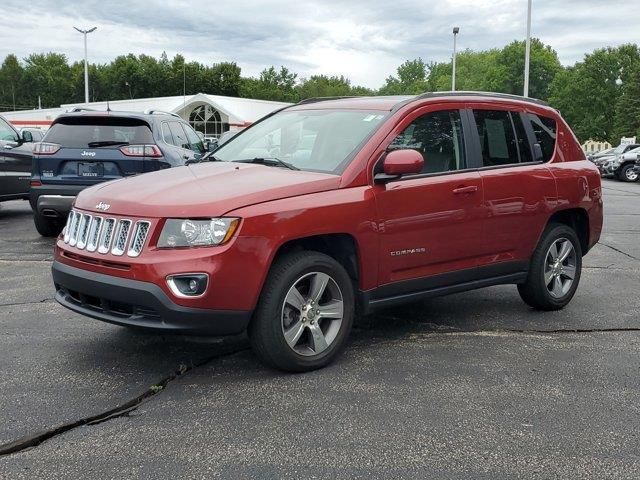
376 299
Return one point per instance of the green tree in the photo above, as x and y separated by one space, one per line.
588 93
411 79
11 74
273 84
47 76
627 117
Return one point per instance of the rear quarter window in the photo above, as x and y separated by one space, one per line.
544 129
89 132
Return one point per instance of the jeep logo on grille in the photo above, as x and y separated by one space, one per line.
87 154
103 206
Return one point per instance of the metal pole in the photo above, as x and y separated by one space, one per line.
86 72
453 76
527 53
86 63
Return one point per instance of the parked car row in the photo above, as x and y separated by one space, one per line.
86 147
621 162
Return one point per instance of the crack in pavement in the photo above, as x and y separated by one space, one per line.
124 409
44 300
619 251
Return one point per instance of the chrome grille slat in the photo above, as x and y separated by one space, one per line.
138 238
121 237
73 237
67 229
83 231
118 236
107 235
94 234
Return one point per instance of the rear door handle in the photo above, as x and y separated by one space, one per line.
463 190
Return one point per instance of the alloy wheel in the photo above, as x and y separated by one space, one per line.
631 175
560 268
312 313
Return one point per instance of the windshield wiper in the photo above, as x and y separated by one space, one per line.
207 157
268 161
109 143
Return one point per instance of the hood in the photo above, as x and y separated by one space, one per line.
202 190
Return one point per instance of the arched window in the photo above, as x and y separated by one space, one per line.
207 120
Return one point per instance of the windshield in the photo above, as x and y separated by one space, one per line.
619 149
315 140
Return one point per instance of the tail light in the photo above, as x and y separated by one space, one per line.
141 151
35 183
43 148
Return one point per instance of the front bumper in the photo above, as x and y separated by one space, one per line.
139 304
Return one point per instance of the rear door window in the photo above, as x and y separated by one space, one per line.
544 129
93 132
179 136
497 137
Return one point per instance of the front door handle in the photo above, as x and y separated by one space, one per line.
463 190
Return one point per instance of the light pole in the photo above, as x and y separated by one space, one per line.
456 30
86 65
527 52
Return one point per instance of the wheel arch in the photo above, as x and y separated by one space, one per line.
342 247
578 220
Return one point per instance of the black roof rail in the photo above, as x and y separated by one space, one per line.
462 93
151 111
323 99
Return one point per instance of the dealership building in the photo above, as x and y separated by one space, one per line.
210 114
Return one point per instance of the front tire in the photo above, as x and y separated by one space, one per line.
46 227
304 314
555 269
628 173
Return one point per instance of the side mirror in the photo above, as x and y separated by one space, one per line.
400 162
27 136
211 145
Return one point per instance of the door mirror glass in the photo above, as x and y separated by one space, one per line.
403 162
27 136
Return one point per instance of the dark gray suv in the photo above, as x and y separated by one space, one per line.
15 162
83 148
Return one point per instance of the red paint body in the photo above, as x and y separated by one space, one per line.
463 220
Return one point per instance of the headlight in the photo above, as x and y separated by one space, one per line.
197 233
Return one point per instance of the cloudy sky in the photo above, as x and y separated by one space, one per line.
364 40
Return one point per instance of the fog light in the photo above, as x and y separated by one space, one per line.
188 284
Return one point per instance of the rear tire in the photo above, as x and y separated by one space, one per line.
628 173
304 314
555 269
46 227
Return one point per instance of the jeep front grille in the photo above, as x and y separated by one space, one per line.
85 231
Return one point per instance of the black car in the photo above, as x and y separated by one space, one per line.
86 147
15 162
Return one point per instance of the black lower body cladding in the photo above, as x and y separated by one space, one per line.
133 303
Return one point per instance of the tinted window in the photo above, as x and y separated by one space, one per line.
179 137
88 132
438 137
524 148
194 140
545 131
497 138
166 134
6 132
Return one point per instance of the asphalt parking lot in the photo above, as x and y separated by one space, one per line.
474 385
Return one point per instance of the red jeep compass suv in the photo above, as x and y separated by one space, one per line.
333 206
